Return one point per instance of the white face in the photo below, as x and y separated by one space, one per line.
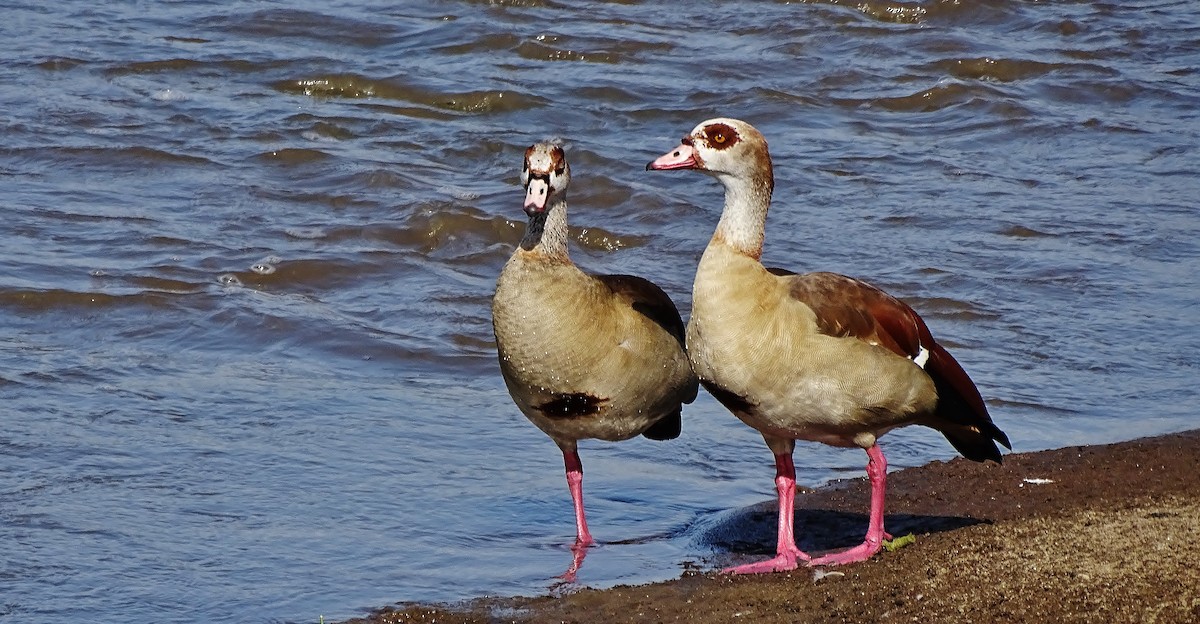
717 146
545 173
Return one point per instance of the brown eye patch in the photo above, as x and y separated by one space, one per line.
558 159
720 136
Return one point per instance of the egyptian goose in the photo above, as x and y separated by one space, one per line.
584 356
819 357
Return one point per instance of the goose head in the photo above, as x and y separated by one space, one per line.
545 176
720 146
735 153
730 149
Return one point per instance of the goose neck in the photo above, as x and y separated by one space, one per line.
546 233
743 221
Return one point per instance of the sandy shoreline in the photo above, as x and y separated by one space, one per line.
1081 534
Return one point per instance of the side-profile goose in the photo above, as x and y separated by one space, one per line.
584 356
819 357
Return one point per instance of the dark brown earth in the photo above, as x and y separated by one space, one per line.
1111 539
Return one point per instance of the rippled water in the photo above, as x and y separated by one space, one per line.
249 247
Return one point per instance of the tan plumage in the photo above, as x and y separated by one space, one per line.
584 356
819 357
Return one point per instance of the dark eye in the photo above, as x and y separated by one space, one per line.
559 171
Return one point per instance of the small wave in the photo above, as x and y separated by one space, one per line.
152 67
436 228
484 101
1009 70
175 39
909 12
169 95
60 64
132 157
413 112
886 11
305 274
1013 404
459 193
1020 231
610 95
186 65
60 299
539 51
330 86
941 96
328 131
603 240
163 284
947 308
482 44
354 86
332 198
293 156
292 23
521 4
306 233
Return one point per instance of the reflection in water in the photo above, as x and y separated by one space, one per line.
578 553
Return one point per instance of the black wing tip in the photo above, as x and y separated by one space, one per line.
978 443
667 428
1000 437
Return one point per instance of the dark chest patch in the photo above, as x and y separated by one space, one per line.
733 402
571 405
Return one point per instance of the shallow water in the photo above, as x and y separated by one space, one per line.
247 369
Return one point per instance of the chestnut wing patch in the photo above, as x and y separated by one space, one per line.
848 307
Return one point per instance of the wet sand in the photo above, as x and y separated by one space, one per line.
1080 534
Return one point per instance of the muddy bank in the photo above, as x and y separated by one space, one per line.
1081 534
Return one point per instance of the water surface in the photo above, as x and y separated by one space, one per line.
246 363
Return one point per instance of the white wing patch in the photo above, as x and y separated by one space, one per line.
921 357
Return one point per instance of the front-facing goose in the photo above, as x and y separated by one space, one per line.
584 356
818 357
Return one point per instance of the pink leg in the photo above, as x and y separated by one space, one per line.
787 556
877 473
575 481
